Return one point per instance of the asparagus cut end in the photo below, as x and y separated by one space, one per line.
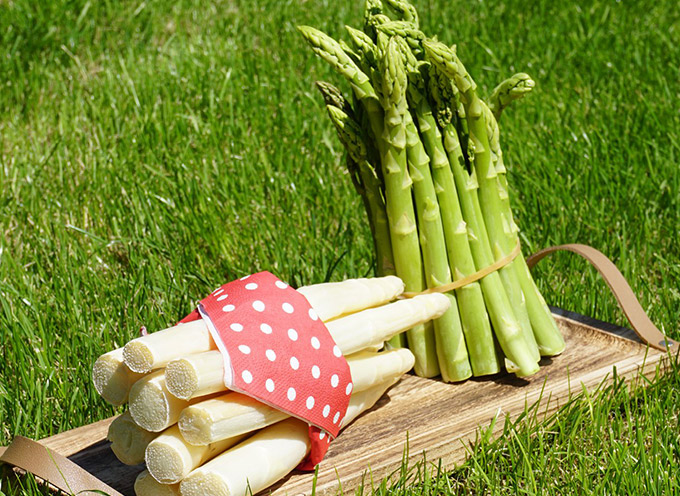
146 485
181 378
151 405
138 357
195 375
128 440
112 378
166 463
205 483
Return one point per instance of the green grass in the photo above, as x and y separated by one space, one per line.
151 150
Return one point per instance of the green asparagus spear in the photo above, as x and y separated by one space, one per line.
373 17
513 340
509 90
349 133
398 183
406 30
473 314
548 337
499 232
451 350
365 47
404 10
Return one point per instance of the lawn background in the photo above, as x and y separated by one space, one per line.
152 150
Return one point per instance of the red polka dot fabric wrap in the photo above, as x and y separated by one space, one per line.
277 350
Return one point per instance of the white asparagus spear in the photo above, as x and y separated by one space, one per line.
369 368
151 405
195 375
112 378
332 299
203 373
328 300
154 350
169 458
146 485
233 413
128 440
369 327
225 416
269 455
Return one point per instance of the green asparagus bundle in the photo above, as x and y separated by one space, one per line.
423 152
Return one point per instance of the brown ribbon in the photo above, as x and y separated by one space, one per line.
464 281
627 300
69 477
50 466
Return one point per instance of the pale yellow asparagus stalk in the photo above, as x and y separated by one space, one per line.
333 299
329 300
203 373
146 485
128 440
225 416
151 405
155 350
261 460
194 375
369 368
112 378
232 414
169 458
368 328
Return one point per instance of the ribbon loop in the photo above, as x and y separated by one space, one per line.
476 276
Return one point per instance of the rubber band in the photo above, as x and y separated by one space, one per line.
445 288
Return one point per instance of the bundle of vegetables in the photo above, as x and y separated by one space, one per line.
198 438
423 151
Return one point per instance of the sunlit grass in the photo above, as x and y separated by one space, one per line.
151 150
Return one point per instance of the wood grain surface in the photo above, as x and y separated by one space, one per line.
438 419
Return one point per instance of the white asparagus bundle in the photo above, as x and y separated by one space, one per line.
232 414
269 455
329 300
146 485
129 440
169 458
357 317
112 378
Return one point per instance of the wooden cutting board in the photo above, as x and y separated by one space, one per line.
436 418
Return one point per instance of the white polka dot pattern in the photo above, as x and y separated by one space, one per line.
281 353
